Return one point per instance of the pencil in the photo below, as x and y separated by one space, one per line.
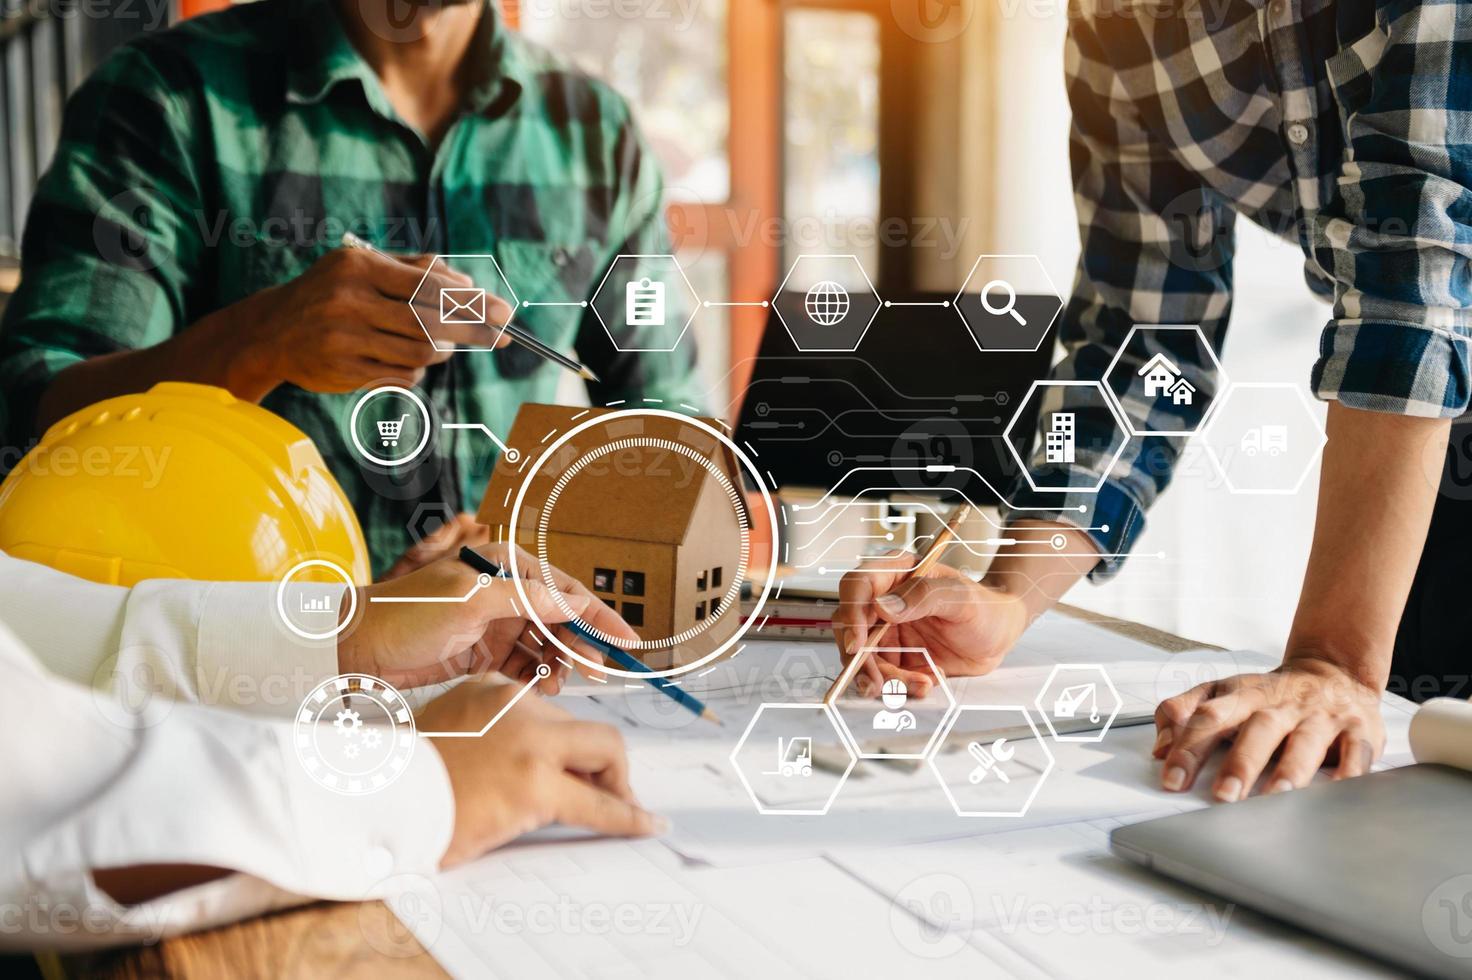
520 336
621 657
922 568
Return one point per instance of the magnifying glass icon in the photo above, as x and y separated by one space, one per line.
1006 308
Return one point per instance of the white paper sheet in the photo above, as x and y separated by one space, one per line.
890 882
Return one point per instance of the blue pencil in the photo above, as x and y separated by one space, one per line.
621 657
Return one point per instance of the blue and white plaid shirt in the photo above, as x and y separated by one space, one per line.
1343 124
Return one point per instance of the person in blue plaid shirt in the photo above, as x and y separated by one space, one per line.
1347 126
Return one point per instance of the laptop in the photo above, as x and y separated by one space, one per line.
1381 863
917 392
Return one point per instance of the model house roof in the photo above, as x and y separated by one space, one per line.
1159 361
639 492
1183 383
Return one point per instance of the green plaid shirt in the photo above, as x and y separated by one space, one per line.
224 156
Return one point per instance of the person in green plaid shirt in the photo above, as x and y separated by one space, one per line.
189 229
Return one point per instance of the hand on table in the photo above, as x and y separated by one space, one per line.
410 644
967 627
536 766
346 322
1307 713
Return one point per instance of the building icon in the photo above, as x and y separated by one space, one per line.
1181 392
1058 444
1160 374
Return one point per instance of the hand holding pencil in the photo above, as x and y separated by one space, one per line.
908 600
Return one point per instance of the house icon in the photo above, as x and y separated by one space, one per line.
1160 374
652 531
1181 392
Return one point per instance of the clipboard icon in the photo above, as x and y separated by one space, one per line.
644 303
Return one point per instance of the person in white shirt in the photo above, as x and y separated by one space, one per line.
126 820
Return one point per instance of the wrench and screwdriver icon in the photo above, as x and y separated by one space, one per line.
989 761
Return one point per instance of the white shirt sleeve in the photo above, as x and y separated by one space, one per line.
93 782
88 786
217 643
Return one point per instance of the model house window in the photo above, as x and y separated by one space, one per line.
633 583
700 582
603 579
634 613
699 611
715 604
715 578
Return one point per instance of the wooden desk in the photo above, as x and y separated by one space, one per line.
334 939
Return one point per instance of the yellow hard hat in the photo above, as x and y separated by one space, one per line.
182 481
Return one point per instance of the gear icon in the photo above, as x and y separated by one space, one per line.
351 750
348 722
371 738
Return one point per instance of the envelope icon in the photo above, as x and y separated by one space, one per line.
462 305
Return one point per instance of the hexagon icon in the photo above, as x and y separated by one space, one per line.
827 303
896 725
1008 302
985 768
1166 377
645 303
1265 438
1081 436
429 518
1078 702
463 317
792 759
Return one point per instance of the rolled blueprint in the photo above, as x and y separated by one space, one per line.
1442 732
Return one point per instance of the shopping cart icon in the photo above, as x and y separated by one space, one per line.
390 431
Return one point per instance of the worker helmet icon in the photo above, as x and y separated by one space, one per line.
894 717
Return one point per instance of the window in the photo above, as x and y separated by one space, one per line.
634 613
715 604
672 69
603 579
699 611
700 582
831 121
715 578
633 583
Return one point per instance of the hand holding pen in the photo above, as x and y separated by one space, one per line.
466 307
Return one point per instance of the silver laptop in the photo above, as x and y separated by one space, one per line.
1382 863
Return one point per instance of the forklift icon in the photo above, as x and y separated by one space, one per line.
794 757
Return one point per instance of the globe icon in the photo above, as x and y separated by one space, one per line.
826 303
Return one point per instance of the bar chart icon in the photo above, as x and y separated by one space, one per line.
319 604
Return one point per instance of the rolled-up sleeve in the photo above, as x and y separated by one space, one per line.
1397 239
111 242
